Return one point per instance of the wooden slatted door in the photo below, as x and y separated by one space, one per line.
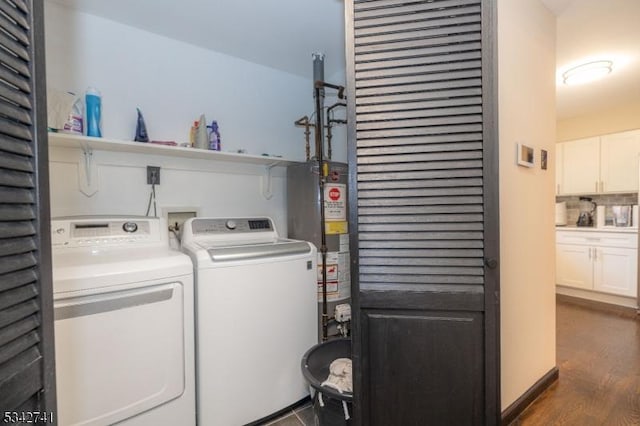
423 155
27 381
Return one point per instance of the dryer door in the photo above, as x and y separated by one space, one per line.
118 353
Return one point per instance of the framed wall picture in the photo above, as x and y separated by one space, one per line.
543 159
525 155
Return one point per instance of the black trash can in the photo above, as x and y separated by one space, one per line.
328 406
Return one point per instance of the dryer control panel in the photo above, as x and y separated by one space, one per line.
99 231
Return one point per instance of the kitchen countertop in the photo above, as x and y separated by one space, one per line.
629 230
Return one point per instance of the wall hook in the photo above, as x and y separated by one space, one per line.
87 173
266 187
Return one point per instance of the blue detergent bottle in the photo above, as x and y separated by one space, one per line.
214 137
93 99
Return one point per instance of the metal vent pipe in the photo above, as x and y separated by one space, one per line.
318 75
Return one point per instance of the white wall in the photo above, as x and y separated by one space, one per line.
526 51
211 188
613 120
173 83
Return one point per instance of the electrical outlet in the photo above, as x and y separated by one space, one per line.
153 175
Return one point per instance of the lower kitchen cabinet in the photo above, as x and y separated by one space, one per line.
574 267
615 270
600 261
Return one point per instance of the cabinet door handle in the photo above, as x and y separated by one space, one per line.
595 254
601 186
596 186
589 253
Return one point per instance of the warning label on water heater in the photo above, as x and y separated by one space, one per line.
338 276
335 202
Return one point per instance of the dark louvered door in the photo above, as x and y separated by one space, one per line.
423 155
27 381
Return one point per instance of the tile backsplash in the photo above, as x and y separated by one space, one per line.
601 200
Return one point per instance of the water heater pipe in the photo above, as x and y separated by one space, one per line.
329 126
323 171
304 121
319 98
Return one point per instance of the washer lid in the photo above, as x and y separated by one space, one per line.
259 251
82 270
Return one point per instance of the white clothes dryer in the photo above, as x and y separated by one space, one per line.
256 313
124 333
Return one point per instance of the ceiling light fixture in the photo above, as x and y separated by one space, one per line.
585 73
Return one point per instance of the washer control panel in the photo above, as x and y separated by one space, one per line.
98 231
226 231
229 226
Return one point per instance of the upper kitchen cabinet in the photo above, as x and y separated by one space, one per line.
601 164
580 169
619 155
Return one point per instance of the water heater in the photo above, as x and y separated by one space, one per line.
303 208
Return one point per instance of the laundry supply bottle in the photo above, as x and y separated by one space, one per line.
214 137
93 99
192 134
74 122
141 129
202 139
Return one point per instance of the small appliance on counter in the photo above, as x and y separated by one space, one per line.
621 216
561 213
601 217
617 216
587 208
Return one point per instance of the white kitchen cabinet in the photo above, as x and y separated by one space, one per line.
599 261
619 155
580 166
600 164
615 270
573 266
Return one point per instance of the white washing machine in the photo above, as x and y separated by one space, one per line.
124 332
256 313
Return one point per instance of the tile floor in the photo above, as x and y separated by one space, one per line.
300 416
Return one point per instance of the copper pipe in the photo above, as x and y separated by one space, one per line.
329 126
304 122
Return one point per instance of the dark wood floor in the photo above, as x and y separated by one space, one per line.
598 354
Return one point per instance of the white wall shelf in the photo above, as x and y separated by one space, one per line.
87 172
87 143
